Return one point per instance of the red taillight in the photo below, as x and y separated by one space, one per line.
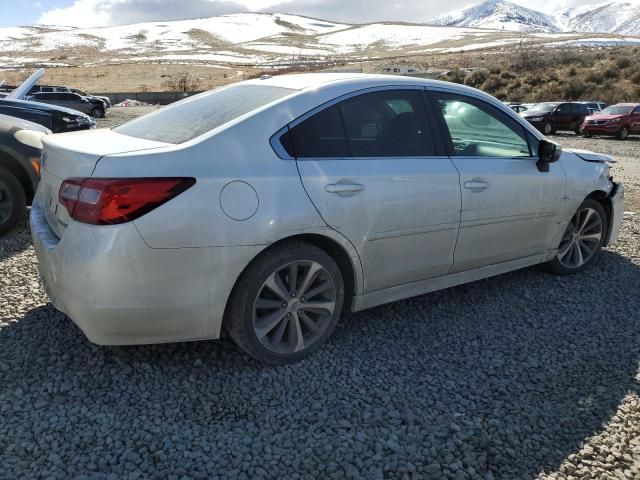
109 201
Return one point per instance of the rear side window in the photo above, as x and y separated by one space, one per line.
389 123
190 118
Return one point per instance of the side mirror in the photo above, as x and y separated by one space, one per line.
548 152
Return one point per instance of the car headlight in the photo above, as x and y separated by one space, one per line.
535 119
614 120
66 119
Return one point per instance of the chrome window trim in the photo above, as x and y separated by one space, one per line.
277 147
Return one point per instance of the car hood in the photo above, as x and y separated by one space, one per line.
603 117
534 114
588 156
43 107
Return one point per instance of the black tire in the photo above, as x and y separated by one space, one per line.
578 130
587 135
239 316
556 266
12 201
97 112
623 133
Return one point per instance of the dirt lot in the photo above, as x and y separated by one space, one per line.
524 376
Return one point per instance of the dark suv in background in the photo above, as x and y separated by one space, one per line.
91 106
549 117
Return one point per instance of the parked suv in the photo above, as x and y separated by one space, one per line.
91 106
57 89
548 117
619 120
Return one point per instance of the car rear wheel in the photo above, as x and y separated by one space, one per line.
286 304
582 240
12 201
623 133
97 112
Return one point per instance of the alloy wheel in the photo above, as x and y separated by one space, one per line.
547 128
6 203
624 133
294 307
581 239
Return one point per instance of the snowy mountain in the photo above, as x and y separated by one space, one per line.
500 15
621 17
271 39
617 16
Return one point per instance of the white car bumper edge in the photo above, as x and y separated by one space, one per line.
617 207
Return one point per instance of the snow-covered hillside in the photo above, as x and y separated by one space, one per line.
616 16
500 14
268 39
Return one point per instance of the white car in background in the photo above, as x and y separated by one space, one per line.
272 205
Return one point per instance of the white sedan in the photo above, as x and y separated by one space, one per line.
271 206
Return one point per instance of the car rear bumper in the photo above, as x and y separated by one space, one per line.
617 211
119 291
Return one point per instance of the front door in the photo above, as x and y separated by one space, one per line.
508 206
635 121
369 165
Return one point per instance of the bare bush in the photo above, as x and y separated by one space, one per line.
184 82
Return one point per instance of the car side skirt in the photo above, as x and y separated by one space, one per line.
362 302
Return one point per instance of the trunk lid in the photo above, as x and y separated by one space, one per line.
76 154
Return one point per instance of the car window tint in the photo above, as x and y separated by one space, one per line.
377 124
389 123
320 136
479 130
564 108
195 116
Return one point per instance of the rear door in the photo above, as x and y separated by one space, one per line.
509 208
372 168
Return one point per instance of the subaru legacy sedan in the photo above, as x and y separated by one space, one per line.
271 206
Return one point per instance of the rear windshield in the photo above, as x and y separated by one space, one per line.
195 116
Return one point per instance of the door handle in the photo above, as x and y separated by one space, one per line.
344 189
476 185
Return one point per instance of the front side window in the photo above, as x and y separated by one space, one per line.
195 116
479 130
564 108
387 123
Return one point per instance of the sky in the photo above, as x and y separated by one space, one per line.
118 12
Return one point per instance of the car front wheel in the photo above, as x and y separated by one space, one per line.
12 201
582 240
286 304
97 112
547 129
623 133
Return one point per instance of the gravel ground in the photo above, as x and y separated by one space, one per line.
524 376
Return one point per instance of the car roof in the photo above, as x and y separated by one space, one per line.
306 81
626 105
40 106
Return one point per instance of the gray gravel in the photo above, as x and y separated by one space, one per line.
522 376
